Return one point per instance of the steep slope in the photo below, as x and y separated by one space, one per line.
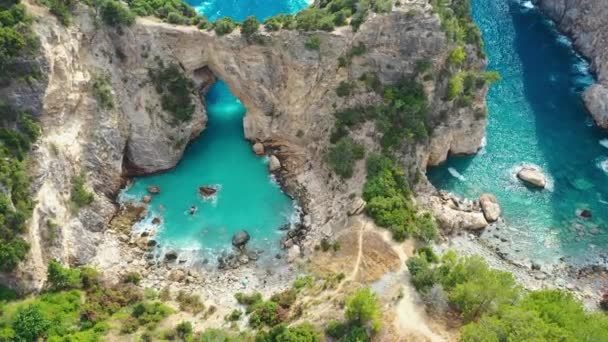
586 22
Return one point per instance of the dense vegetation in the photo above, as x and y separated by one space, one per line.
456 21
175 90
17 133
16 40
495 307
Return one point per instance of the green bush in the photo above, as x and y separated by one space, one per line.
265 313
62 278
175 90
248 300
103 91
344 89
224 26
173 11
342 157
285 298
234 316
131 278
80 196
250 26
457 56
190 302
184 330
313 43
114 13
281 333
62 9
456 85
29 324
363 308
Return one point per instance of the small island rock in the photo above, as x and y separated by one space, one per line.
153 189
207 190
258 148
532 176
490 207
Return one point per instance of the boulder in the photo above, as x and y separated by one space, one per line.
274 164
490 207
177 275
293 253
357 206
153 189
147 199
206 190
585 213
156 220
171 256
532 176
258 148
240 239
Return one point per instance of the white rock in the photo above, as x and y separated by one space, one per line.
293 253
274 163
357 206
532 176
490 207
258 148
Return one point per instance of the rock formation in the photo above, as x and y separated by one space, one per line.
490 207
585 21
532 176
288 90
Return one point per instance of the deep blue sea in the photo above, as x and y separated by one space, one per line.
536 116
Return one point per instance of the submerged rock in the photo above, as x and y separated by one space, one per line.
147 199
258 148
171 256
585 213
490 207
207 191
532 176
240 239
274 164
156 220
153 189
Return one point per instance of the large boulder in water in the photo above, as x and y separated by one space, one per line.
490 207
240 239
532 176
207 191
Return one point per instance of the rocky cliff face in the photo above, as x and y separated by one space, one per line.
586 22
289 92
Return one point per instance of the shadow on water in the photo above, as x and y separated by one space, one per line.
554 77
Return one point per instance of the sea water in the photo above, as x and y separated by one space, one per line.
241 9
536 116
248 196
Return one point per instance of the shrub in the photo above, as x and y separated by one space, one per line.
363 308
131 278
103 91
344 89
313 43
62 278
265 313
343 155
175 90
458 56
250 26
80 196
114 13
248 300
302 282
456 85
184 330
234 316
285 299
190 302
281 333
29 324
173 11
62 9
224 26
150 314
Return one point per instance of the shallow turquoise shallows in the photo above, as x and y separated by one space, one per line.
536 116
241 9
248 197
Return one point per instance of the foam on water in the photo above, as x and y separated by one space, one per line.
536 115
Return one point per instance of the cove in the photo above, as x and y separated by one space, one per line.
241 9
247 198
536 116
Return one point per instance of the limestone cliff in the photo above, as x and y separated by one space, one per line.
586 22
289 91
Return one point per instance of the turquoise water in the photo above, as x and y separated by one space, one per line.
241 9
248 197
536 116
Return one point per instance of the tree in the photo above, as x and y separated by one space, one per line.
250 26
114 13
224 26
29 324
363 309
62 278
343 155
